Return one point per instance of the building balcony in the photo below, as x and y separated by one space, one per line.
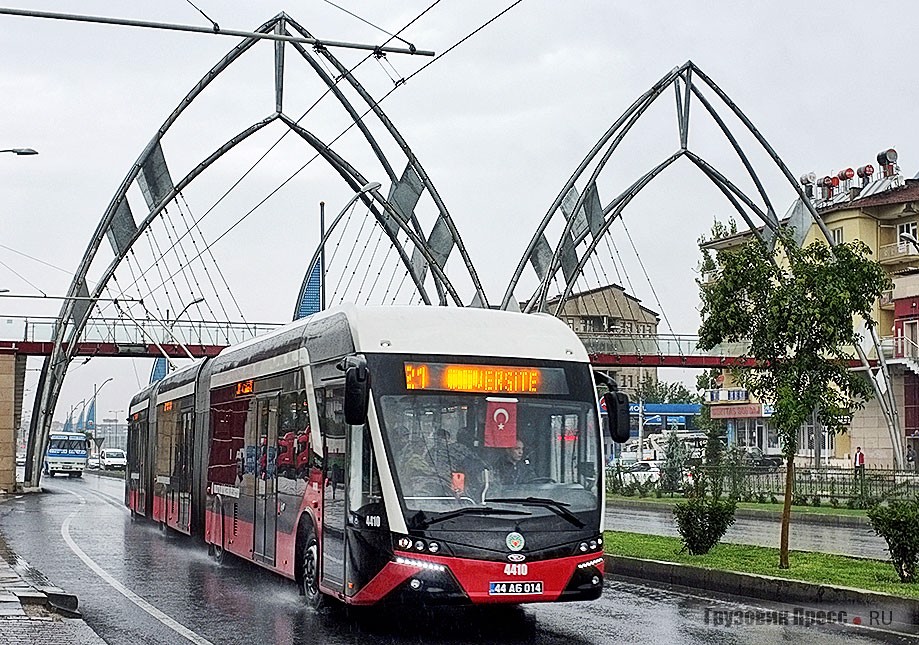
886 301
727 395
897 253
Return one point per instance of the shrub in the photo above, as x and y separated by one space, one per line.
815 500
761 497
834 502
898 524
773 500
797 499
851 502
702 522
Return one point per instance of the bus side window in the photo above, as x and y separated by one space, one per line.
364 482
288 450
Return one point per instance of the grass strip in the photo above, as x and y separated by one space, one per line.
820 568
817 510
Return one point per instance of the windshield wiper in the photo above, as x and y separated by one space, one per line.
472 510
559 508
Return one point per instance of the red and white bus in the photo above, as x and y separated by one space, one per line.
420 454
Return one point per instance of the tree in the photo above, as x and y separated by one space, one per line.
795 306
676 457
653 391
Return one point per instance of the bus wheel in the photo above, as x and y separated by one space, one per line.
309 568
220 553
76 474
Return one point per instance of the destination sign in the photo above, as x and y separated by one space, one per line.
489 379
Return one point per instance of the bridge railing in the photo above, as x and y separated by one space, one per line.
660 345
123 331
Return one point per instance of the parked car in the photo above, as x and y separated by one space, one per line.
113 459
641 472
756 457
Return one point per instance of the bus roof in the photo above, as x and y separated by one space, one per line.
458 331
463 331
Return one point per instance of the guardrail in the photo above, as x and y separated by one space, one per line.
124 331
660 345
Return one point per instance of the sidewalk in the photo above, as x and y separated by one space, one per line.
35 612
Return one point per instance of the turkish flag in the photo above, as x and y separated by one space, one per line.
501 423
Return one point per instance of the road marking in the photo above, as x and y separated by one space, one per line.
166 620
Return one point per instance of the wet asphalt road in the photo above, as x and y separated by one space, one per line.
137 585
859 541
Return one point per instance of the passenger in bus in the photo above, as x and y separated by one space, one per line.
513 469
468 467
425 467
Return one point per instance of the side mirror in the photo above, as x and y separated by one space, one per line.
357 389
617 412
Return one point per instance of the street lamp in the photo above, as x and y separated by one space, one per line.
909 237
22 152
319 255
96 391
186 308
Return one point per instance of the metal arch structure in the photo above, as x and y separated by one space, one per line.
150 174
586 219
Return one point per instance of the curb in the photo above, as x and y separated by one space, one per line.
843 521
751 585
20 583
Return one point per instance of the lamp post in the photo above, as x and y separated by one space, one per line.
184 309
22 152
92 406
909 237
319 255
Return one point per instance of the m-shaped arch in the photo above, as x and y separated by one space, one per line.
423 253
584 219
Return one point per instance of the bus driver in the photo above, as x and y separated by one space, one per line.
513 469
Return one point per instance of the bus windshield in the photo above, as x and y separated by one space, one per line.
454 451
67 445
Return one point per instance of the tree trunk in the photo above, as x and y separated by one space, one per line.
786 511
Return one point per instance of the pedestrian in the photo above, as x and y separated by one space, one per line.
910 457
859 465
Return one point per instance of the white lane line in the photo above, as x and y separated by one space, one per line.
169 622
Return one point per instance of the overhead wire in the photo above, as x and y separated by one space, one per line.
650 284
370 264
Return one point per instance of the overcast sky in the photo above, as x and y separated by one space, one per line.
499 124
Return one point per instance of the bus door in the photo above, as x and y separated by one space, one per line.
330 403
266 490
181 470
138 470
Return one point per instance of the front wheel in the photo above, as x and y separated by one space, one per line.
309 569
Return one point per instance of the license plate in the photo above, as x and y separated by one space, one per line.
514 588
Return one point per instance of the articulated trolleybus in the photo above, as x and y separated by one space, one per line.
414 454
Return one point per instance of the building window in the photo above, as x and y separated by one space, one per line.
836 234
